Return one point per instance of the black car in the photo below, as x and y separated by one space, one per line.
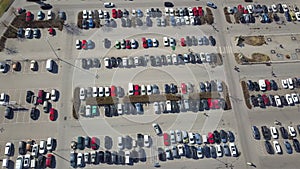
107 111
114 62
280 9
101 156
217 137
254 101
206 151
113 110
107 142
173 88
283 100
41 162
119 62
73 158
80 143
167 89
8 112
231 137
169 4
223 136
84 63
202 87
269 147
29 95
213 152
187 150
205 104
273 85
296 145
135 156
152 61
255 132
96 62
33 113
121 157
128 142
142 155
174 107
298 127
161 154
193 150
212 40
107 157
272 100
114 157
250 85
140 139
266 132
284 133
256 86
22 148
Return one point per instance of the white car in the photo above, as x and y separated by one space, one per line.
49 15
127 157
78 44
133 12
90 14
108 4
219 150
107 91
285 8
166 41
233 149
174 59
156 128
120 143
107 63
101 92
84 14
295 98
143 90
172 137
277 100
178 136
27 159
28 32
35 150
274 8
274 132
53 95
187 20
297 14
167 12
172 42
42 149
80 162
277 147
180 150
19 162
149 89
292 131
146 140
50 142
133 44
154 42
87 157
284 83
250 9
120 109
101 14
88 111
8 149
290 83
190 11
95 91
191 138
289 99
82 93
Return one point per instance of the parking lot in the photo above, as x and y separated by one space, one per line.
197 62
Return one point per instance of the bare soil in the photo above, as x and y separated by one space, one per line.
254 40
255 57
227 15
209 18
246 94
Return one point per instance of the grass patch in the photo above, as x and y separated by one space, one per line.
4 5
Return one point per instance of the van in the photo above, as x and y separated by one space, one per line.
262 85
130 89
46 106
49 65
168 106
204 139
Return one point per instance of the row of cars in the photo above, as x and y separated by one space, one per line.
79 160
197 152
273 132
179 136
274 100
35 158
267 85
40 15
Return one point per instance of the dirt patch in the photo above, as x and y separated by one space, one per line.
206 95
226 97
76 103
227 15
209 18
237 17
79 21
219 59
254 40
246 94
101 101
255 57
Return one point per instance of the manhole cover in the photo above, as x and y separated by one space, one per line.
273 52
280 56
269 39
293 38
294 56
297 50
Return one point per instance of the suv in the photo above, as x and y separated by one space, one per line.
255 132
266 132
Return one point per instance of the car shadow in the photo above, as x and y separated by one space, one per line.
57 95
11 164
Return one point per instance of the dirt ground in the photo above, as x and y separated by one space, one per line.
227 15
254 40
246 94
255 57
209 18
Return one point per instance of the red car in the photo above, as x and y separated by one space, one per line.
145 44
266 99
128 44
51 31
28 16
94 143
183 88
195 11
84 44
200 11
268 84
246 11
52 114
210 104
113 91
210 137
136 90
114 13
166 139
120 13
49 160
215 103
40 98
182 42
240 8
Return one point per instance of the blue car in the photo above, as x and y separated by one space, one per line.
150 44
288 147
288 16
91 23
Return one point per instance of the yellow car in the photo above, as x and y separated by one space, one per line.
293 16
